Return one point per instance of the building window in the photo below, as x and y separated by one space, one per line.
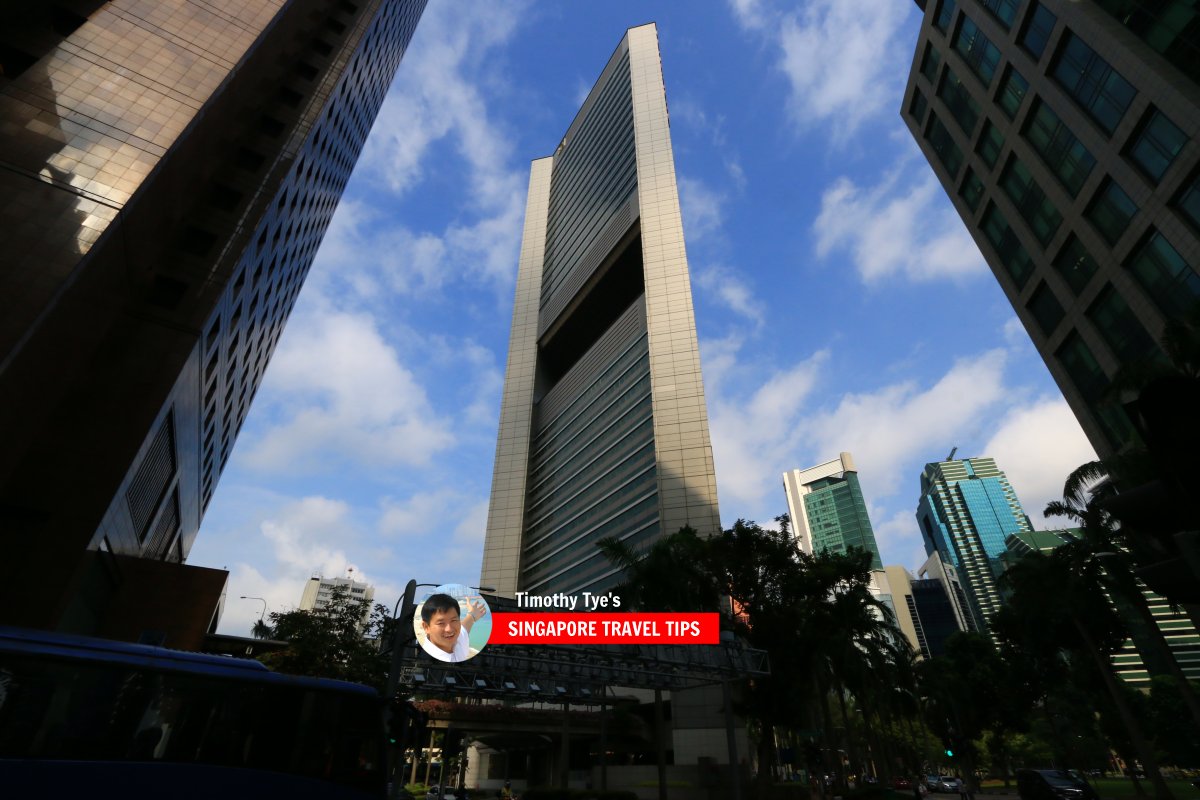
1075 264
943 145
972 190
930 62
1038 26
1013 257
991 142
1110 211
943 15
1169 280
918 107
1099 89
1091 383
1012 92
1003 10
1120 329
1189 202
1169 28
1156 144
1045 308
962 106
1058 148
977 50
1030 201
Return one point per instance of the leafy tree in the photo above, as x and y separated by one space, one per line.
1102 540
339 641
1060 598
673 574
828 638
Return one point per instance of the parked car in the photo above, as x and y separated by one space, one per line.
1052 784
942 783
900 782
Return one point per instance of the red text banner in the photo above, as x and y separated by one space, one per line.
594 628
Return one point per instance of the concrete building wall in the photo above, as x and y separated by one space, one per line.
604 427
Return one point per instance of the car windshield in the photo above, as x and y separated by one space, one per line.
1060 779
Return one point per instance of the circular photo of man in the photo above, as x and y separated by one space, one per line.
453 622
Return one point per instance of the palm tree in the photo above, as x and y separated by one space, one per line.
1061 595
671 575
1100 540
262 630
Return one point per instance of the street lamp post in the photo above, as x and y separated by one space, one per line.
263 600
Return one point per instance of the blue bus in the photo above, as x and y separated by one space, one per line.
82 717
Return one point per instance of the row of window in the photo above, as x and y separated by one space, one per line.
1105 96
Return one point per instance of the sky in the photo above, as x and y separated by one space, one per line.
840 303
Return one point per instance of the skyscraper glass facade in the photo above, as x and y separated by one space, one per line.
1080 174
170 169
966 513
828 510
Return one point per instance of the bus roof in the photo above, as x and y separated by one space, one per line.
68 645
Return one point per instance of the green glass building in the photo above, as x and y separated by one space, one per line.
966 512
828 510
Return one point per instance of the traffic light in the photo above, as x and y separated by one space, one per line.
405 724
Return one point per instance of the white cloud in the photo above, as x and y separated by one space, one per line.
753 435
1038 445
343 395
731 289
448 524
897 227
889 426
844 60
760 434
436 95
443 93
700 207
897 535
302 534
411 517
749 13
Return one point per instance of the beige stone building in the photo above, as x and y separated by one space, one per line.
603 423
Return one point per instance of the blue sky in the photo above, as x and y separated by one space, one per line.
840 302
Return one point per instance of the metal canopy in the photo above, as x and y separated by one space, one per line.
578 674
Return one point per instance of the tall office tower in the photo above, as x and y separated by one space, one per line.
827 508
1139 659
603 425
1065 135
966 511
169 170
951 583
900 581
318 592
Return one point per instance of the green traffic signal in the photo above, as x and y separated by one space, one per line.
949 752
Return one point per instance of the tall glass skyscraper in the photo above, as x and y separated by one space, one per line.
966 512
827 508
169 171
603 423
1066 135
